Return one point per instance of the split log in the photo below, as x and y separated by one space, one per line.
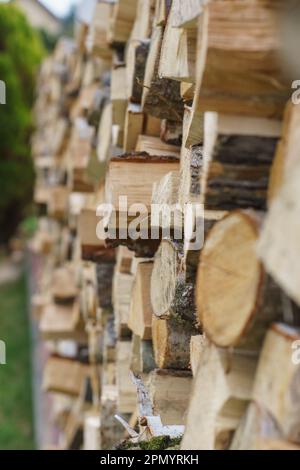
197 347
64 285
122 19
237 162
155 146
62 322
178 50
147 362
185 15
126 391
171 341
124 260
169 392
133 176
246 301
278 246
122 287
222 389
142 357
134 122
240 70
170 295
64 376
161 96
58 202
162 10
276 385
104 133
136 58
118 96
140 312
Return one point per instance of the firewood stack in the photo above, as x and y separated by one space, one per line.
179 104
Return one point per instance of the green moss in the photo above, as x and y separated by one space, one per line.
156 443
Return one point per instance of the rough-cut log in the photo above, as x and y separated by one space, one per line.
169 393
140 312
238 153
221 391
236 301
161 96
171 296
241 72
276 385
256 425
133 176
171 341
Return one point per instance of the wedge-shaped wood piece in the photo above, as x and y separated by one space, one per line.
222 389
169 392
277 379
278 244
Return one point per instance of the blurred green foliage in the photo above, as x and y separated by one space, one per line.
21 51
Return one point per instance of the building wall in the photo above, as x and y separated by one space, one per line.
38 16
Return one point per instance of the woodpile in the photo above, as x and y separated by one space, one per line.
182 322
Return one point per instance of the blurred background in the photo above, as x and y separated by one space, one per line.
29 30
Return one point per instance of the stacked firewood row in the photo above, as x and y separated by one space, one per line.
188 336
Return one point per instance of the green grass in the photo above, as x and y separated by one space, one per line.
16 422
